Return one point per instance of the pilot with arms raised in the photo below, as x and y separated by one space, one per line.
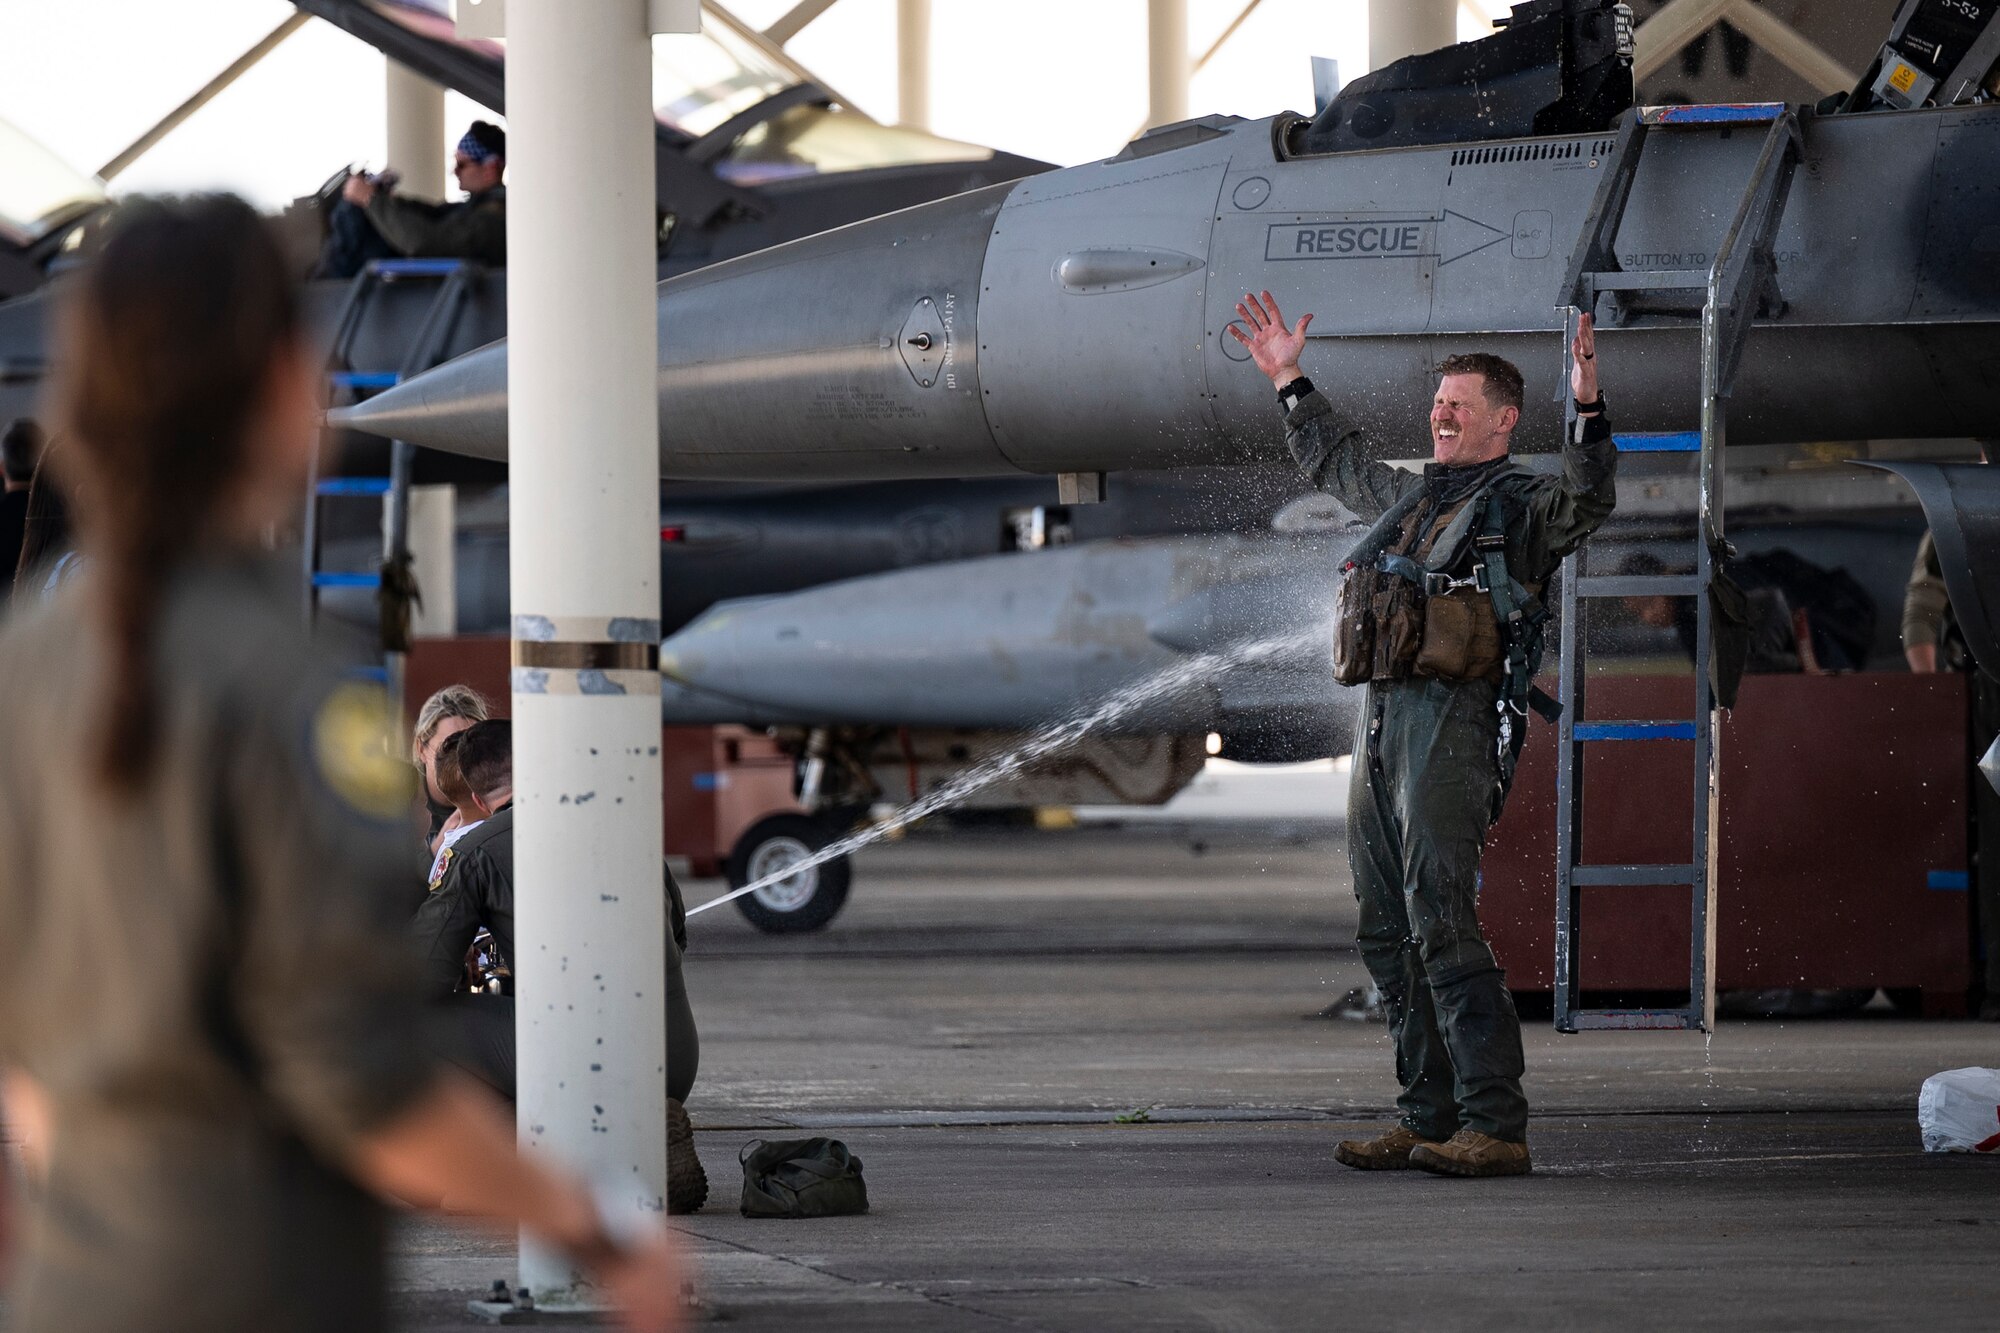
1439 613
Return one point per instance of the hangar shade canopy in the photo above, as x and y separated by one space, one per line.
701 81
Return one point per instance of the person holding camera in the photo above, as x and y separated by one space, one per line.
372 221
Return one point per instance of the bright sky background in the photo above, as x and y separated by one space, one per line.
1063 80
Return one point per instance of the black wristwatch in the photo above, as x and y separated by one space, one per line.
1293 392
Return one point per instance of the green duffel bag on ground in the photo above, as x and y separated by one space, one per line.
801 1178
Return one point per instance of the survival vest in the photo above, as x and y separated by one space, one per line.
1435 605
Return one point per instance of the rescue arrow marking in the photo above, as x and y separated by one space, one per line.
1376 236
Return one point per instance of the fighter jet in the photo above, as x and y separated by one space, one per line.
1014 642
1077 321
751 149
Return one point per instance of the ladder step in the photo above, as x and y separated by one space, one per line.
1651 280
356 580
356 486
1588 1020
1633 731
1665 442
1638 585
1715 113
1586 876
365 379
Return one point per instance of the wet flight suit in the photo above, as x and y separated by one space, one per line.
1427 780
477 889
210 981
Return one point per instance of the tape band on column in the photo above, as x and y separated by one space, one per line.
586 655
598 656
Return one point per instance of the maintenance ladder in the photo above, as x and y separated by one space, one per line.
1738 285
456 279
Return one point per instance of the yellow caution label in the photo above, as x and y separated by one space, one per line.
1903 77
353 746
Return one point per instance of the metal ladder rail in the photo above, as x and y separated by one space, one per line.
1740 280
425 349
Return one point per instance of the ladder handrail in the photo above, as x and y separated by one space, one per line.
1740 278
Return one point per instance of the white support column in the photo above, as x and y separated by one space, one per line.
1169 65
584 516
913 63
1398 28
416 131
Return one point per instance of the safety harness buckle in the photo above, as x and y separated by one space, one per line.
1436 585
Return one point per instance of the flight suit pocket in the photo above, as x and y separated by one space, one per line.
1461 637
1354 626
1399 627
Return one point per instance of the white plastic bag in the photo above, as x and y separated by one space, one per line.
1959 1111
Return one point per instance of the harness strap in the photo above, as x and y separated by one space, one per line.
1521 616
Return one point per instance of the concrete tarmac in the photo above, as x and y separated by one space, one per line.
1081 1071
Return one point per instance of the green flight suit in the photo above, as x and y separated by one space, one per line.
207 980
474 228
1426 781
476 889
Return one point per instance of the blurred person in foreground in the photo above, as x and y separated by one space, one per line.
204 997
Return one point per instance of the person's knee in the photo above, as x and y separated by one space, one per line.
1385 958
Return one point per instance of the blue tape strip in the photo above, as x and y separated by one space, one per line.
1677 442
347 580
1949 881
378 674
417 268
707 782
1714 113
365 379
355 486
1633 731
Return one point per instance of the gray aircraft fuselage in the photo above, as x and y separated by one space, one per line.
1076 321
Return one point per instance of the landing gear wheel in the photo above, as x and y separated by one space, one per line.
800 902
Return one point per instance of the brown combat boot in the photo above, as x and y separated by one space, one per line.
1470 1153
687 1183
1389 1152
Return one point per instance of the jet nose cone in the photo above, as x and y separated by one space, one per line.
460 406
754 650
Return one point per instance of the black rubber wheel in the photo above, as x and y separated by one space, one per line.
801 902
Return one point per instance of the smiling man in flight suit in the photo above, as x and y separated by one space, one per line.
1439 613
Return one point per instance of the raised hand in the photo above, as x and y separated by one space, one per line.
1274 347
1583 360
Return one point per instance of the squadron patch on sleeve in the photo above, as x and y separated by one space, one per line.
443 867
353 749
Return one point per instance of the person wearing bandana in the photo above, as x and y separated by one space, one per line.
371 221
1439 614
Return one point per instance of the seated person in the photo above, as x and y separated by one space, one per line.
475 891
466 814
371 221
452 709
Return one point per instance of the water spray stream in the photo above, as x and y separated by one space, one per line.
1051 740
